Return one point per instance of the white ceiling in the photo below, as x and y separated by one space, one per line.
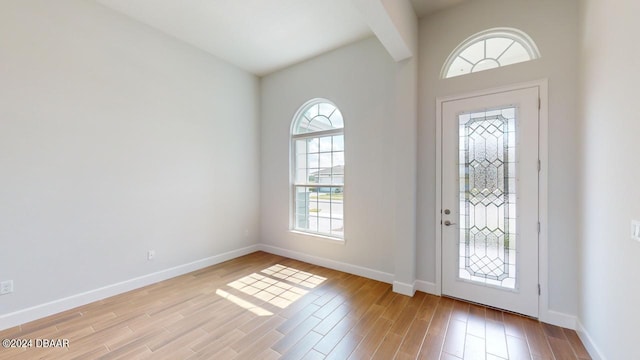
259 36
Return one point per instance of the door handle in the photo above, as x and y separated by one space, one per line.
448 223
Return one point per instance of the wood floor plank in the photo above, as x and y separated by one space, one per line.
232 323
332 319
386 297
372 339
292 322
313 355
517 348
435 337
389 346
302 347
131 345
537 340
297 333
263 306
414 339
335 335
493 357
329 307
553 331
495 339
225 353
368 320
345 346
447 356
108 337
428 307
269 354
402 323
395 307
476 322
474 348
210 346
257 333
561 349
494 315
178 341
576 345
460 311
258 345
300 305
91 354
455 338
247 326
513 325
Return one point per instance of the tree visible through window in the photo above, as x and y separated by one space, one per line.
317 143
490 49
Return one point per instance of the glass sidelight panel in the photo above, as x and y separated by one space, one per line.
487 244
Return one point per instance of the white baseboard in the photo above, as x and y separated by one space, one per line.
588 342
426 287
558 319
404 288
39 311
328 263
549 316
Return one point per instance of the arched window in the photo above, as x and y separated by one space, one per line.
490 49
317 169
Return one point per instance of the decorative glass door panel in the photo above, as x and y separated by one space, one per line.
487 197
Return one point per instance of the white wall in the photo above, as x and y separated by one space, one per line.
375 95
610 176
553 26
115 139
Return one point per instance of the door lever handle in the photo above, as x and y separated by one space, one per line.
448 223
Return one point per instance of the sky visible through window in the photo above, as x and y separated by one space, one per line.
489 50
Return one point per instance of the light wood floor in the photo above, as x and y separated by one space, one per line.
263 306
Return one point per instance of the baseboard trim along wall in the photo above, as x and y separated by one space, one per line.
60 305
64 304
588 342
418 285
426 287
558 319
328 263
404 288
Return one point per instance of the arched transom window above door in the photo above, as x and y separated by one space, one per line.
490 49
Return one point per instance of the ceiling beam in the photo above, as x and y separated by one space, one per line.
394 23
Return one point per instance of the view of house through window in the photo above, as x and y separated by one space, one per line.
318 169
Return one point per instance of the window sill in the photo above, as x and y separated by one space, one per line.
331 239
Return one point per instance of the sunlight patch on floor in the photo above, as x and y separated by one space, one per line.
277 285
244 304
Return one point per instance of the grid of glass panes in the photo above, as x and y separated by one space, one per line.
318 117
490 51
487 176
319 185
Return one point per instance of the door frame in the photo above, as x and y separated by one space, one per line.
543 155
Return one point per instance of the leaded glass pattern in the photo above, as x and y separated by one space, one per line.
488 197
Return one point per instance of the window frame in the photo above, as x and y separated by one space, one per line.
518 36
294 185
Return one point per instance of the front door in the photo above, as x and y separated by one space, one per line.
489 199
